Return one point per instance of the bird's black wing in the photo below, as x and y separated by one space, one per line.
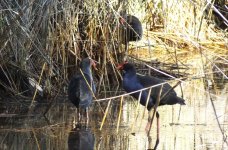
74 90
168 95
86 95
79 92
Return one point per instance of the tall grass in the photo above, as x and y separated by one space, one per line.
57 34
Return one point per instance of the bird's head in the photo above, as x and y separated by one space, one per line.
126 67
88 62
121 65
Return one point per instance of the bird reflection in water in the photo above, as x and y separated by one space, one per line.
81 138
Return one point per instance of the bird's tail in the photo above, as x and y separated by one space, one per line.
181 101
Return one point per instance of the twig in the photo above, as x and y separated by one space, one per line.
118 122
41 74
211 100
155 109
219 125
126 94
37 143
91 89
147 101
137 108
106 112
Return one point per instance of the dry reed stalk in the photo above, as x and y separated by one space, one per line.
90 88
40 77
54 38
155 109
147 100
118 122
88 84
105 115
37 142
137 112
126 94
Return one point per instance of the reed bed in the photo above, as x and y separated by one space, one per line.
58 34
45 40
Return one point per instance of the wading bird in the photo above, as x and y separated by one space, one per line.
81 88
132 28
133 82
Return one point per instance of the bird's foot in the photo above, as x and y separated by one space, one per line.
79 117
148 126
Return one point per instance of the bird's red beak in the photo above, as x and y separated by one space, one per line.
120 66
122 20
93 63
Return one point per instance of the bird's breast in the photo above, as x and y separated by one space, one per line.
131 84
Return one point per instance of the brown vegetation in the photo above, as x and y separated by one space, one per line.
45 40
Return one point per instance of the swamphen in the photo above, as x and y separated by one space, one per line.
82 87
133 82
133 28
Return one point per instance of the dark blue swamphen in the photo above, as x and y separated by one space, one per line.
133 82
133 28
81 88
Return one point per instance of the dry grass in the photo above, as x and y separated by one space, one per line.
45 40
61 33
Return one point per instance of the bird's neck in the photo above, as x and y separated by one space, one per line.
87 71
130 74
130 82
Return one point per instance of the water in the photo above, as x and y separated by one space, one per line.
189 127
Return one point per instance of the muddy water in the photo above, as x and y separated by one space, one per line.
189 127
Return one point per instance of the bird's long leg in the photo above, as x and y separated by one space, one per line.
149 122
87 117
79 115
158 131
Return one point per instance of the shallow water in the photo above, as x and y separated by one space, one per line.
189 127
